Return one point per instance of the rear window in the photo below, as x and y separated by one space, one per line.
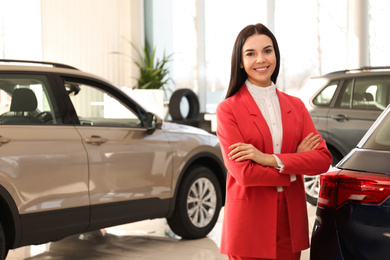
380 138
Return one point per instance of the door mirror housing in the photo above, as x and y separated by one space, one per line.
153 122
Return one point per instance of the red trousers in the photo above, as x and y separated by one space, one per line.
283 237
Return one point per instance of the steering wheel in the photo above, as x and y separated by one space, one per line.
44 116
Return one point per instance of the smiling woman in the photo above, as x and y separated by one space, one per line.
268 141
259 60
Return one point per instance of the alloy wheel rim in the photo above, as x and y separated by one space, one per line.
312 185
201 202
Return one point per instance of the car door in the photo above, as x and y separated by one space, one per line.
43 164
359 104
130 170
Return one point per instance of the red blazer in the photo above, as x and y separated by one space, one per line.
249 227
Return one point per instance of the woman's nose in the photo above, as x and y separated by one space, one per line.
260 59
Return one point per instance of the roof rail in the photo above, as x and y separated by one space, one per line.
54 64
365 68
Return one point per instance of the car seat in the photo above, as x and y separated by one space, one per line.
23 100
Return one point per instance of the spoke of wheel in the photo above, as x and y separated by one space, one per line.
191 211
201 202
194 190
309 183
204 188
311 186
209 195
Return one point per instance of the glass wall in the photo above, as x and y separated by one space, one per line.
379 32
221 22
312 37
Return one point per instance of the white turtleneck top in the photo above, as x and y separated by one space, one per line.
267 100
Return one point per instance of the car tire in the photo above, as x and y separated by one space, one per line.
312 183
174 104
198 203
3 245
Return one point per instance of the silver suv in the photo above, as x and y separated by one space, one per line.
77 154
343 105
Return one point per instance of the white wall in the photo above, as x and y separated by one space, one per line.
20 30
85 33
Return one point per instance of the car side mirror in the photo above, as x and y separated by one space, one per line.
153 122
72 88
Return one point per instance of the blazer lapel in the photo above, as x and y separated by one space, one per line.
257 118
287 122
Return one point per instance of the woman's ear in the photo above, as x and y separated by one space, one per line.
241 66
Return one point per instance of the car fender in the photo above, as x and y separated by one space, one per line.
11 214
206 158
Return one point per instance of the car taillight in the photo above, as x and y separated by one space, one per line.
327 189
367 188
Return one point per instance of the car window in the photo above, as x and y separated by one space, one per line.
371 93
325 96
27 99
365 94
95 107
380 138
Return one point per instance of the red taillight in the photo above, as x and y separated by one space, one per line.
366 188
326 196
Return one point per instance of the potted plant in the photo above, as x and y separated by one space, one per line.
153 76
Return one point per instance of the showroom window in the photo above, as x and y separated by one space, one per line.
222 22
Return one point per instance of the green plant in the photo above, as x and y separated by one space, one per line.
154 73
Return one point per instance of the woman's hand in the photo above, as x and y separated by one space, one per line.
310 142
242 151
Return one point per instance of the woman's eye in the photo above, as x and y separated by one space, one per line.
268 51
250 54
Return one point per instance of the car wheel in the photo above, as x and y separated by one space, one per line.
312 183
312 188
198 203
3 245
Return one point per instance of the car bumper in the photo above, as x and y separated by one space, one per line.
325 242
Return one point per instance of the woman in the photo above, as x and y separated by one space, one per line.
269 142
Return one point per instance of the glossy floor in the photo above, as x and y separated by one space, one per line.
144 240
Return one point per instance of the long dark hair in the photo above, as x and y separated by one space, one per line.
238 74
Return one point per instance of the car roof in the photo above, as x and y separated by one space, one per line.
47 67
352 73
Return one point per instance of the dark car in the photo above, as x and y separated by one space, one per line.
353 211
343 105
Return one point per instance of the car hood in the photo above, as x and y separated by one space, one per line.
179 128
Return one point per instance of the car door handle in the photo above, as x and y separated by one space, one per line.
95 139
4 140
340 117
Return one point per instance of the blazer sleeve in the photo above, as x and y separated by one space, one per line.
246 173
311 162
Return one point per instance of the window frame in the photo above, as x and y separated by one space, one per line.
115 92
51 92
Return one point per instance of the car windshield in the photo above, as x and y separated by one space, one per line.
380 138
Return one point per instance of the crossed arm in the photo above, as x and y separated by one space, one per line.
242 151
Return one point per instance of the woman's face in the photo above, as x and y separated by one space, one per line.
258 59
